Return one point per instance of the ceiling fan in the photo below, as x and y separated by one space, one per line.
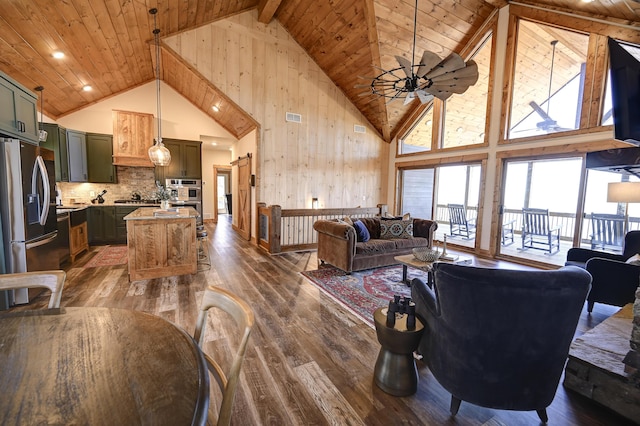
431 77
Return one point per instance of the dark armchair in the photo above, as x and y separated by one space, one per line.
499 338
614 281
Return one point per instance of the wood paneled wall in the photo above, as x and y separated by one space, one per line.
263 70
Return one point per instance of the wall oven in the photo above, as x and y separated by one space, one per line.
185 189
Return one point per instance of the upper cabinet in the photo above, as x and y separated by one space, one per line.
77 151
57 142
132 138
18 112
185 159
99 153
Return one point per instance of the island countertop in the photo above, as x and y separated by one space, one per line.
147 213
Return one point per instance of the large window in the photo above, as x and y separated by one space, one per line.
552 185
419 137
465 114
443 186
548 81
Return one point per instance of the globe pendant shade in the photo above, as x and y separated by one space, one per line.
159 155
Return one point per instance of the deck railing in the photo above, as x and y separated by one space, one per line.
292 229
565 221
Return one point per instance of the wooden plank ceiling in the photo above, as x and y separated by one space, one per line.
107 43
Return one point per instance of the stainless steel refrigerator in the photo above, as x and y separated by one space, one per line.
28 210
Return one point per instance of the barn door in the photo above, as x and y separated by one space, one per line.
244 197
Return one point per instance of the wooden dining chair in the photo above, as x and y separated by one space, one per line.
53 280
216 297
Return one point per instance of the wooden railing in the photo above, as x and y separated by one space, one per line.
282 230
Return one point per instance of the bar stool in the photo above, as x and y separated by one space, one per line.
204 260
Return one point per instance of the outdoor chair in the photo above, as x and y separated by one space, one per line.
537 233
216 297
608 231
52 280
499 338
458 222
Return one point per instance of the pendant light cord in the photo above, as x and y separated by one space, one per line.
415 25
553 58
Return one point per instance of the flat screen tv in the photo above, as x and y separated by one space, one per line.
625 91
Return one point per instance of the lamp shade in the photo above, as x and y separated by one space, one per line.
623 192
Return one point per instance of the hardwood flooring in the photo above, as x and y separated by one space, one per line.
309 361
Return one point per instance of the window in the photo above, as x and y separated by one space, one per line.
465 114
419 137
548 80
550 184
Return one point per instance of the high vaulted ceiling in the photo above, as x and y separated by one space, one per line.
107 42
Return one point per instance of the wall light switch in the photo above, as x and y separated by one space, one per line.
92 194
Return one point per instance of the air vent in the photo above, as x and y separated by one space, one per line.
293 117
359 129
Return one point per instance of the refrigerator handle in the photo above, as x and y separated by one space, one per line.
45 186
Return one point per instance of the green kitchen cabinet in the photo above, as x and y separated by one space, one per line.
100 158
186 160
121 225
18 111
102 225
77 153
57 142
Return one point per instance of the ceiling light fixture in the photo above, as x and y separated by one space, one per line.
215 108
158 153
430 77
57 54
42 134
87 88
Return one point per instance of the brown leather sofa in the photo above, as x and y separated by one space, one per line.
338 245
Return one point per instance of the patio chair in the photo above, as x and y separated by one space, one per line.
537 233
458 222
608 231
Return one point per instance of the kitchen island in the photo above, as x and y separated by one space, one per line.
161 243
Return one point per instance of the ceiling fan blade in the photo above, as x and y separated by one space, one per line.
441 94
427 63
450 63
424 96
540 111
449 80
468 73
451 88
409 98
406 65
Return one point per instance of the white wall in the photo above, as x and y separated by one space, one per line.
211 158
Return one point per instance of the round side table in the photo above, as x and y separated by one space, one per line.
395 371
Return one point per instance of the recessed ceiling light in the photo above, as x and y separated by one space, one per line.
87 88
214 143
215 108
57 54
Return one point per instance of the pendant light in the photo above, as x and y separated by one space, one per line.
158 153
42 134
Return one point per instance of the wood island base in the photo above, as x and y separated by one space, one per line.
161 244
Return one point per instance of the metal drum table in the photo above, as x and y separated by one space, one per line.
395 371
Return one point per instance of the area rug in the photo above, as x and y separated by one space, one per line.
365 291
109 256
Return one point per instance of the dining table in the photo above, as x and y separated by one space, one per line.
99 366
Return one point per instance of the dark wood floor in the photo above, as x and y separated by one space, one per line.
309 361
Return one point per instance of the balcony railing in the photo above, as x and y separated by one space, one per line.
292 229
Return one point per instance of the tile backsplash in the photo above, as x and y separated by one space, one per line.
130 179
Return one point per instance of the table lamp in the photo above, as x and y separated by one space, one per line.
624 192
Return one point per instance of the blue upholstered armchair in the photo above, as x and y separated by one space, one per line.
614 281
499 338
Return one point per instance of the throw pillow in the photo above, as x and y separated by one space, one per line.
361 231
634 260
390 229
406 216
348 220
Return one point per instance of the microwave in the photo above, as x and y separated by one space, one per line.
185 189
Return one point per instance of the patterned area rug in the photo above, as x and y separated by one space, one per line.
365 291
109 256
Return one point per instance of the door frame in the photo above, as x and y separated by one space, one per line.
219 169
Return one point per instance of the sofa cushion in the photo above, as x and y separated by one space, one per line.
634 260
375 246
390 229
361 231
373 225
407 243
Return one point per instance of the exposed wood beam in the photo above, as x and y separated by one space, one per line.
266 10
